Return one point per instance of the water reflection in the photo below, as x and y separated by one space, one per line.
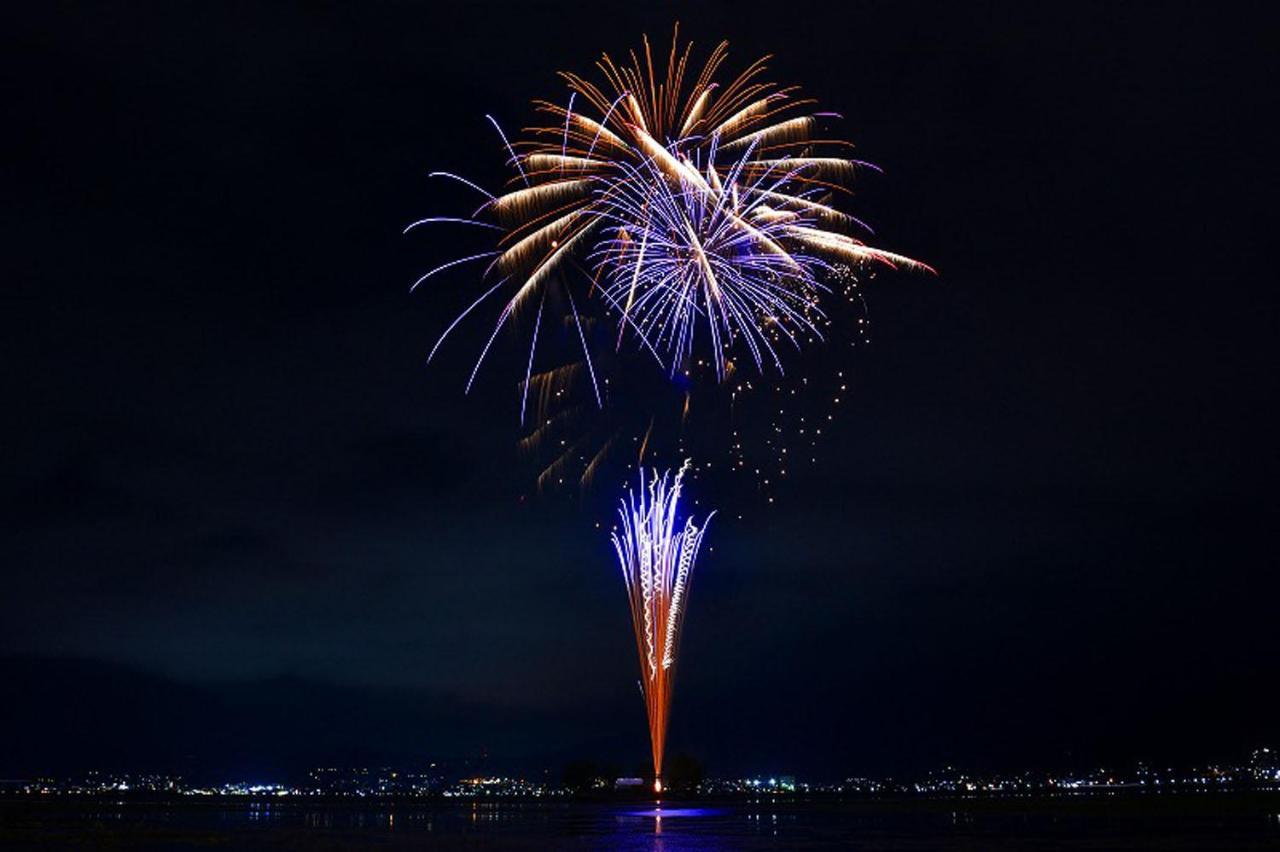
670 828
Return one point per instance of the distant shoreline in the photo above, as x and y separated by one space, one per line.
986 800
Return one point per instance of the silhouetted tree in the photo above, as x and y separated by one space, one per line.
682 772
583 776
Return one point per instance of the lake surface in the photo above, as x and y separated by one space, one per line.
1210 822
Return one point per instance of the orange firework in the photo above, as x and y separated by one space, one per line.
688 203
657 553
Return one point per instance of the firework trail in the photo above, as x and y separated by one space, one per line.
657 553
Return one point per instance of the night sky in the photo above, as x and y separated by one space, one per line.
247 528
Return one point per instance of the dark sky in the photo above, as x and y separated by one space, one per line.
246 527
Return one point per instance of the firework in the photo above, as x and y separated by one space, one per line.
695 221
657 552
702 214
690 258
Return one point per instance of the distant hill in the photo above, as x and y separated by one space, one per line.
64 715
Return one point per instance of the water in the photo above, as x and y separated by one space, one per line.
1211 822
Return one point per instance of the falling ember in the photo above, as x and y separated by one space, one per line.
657 554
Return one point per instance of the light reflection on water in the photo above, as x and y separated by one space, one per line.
670 828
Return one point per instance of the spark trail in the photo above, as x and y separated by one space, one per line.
657 552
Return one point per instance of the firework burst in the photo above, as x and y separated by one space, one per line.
673 255
681 204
